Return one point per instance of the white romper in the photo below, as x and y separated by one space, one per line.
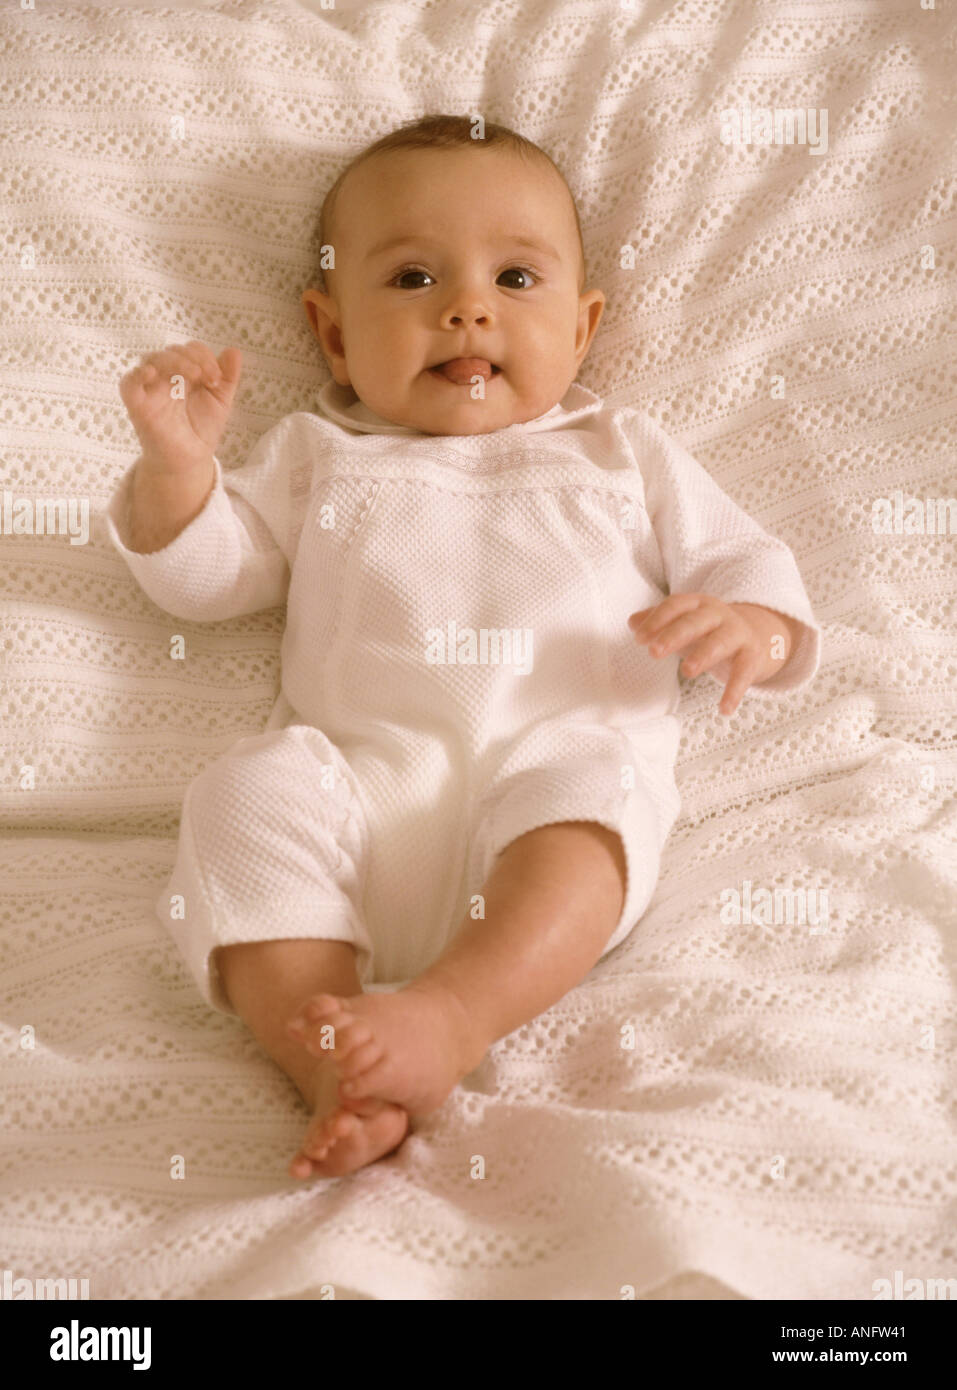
457 667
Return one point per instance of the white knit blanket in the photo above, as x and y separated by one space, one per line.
762 1102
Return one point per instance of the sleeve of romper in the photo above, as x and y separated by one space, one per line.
710 545
236 555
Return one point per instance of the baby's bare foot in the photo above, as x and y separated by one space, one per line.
410 1048
346 1139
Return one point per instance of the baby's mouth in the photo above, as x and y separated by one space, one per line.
460 371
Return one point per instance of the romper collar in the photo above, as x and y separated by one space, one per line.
341 404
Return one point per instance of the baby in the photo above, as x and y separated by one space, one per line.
426 808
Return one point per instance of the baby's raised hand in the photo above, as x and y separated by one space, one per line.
718 631
179 400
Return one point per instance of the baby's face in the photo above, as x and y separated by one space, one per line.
462 283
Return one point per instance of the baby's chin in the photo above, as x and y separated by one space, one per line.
462 416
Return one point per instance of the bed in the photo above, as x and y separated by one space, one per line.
752 1098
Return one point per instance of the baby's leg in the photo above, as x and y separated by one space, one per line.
552 900
267 982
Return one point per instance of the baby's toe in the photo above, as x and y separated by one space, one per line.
350 1036
321 1004
321 1035
321 1008
370 1082
360 1060
342 1126
322 1134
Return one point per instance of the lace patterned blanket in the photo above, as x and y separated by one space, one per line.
755 1096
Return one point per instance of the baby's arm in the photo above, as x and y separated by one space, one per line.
179 401
713 552
193 542
162 505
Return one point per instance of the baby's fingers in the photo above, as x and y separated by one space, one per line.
230 365
135 384
743 671
191 363
679 634
194 362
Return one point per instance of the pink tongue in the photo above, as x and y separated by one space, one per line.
462 369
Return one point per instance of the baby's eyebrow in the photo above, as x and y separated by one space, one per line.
405 239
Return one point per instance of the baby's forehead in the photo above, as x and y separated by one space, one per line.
385 178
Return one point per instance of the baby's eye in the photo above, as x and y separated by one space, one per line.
403 273
411 270
521 270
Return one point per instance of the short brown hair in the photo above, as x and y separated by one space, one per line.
446 132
